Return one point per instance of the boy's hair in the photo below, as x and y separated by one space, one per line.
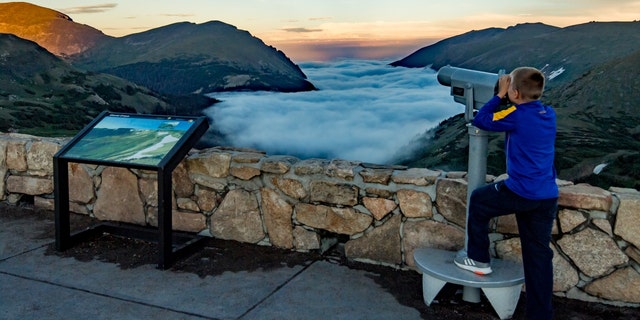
529 81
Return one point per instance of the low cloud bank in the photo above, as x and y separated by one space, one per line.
364 110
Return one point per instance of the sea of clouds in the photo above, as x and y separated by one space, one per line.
363 111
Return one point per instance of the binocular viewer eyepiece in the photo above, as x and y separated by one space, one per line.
469 87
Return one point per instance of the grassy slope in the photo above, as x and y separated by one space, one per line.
41 94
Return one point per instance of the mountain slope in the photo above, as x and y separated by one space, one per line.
599 122
42 94
196 58
52 30
568 51
181 58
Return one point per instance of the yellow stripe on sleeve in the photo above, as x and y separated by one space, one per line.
504 113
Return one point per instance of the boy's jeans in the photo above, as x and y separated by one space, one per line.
535 220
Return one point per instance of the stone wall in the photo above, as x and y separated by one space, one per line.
381 214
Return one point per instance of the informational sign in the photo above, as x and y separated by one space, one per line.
130 139
135 141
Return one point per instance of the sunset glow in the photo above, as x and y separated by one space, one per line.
322 30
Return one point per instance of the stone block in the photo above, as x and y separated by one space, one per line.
149 191
217 184
604 225
29 185
44 203
593 252
278 164
333 193
380 176
247 157
415 176
188 221
305 240
382 244
570 219
452 200
244 172
379 207
238 218
415 204
429 234
628 218
310 167
622 285
584 196
78 208
565 276
341 169
16 155
80 184
207 199
210 164
633 253
40 157
118 198
180 220
187 204
182 185
509 249
338 220
381 193
277 218
291 187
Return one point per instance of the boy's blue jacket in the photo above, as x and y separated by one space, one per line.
529 145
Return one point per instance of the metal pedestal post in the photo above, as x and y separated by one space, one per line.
476 177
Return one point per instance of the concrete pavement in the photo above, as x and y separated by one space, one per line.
34 285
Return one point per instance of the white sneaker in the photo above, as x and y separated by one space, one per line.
466 263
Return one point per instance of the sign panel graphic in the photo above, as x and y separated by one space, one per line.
130 139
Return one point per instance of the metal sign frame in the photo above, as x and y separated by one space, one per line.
168 160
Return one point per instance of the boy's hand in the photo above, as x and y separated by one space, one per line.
503 85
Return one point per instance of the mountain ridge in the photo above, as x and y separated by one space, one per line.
208 57
181 58
53 30
575 48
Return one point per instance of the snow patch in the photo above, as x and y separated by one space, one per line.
556 73
599 168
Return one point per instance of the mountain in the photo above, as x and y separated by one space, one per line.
568 51
44 95
52 30
196 58
182 58
595 91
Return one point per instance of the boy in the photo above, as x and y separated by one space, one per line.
530 191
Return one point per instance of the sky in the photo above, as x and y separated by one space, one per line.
322 30
364 110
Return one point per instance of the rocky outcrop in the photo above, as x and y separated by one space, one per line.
380 213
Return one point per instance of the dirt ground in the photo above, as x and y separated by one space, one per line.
218 256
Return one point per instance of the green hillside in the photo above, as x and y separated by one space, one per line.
195 58
44 95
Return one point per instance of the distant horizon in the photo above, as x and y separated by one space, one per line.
331 29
